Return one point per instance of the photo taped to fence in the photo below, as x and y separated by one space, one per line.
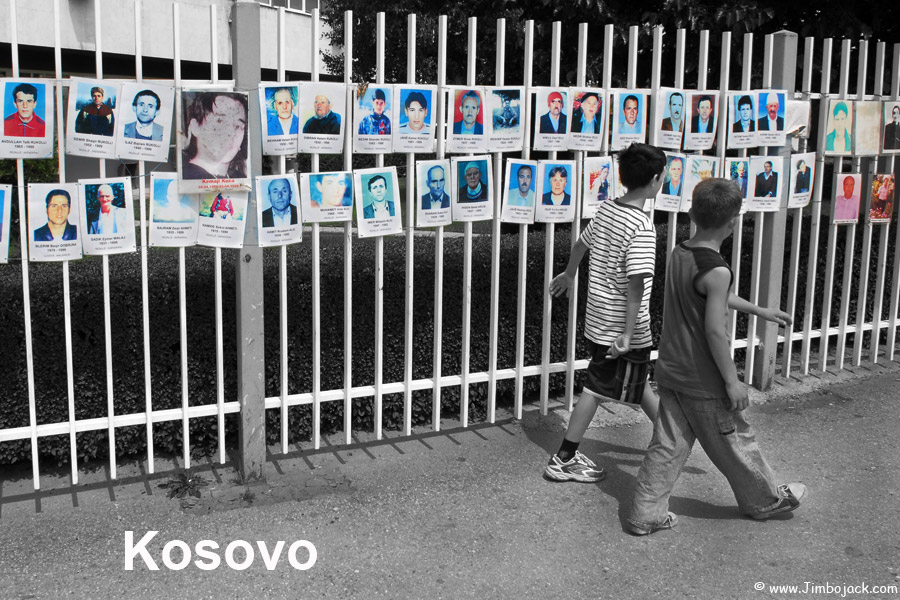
552 108
468 132
771 106
378 194
505 105
519 192
323 112
92 117
768 180
556 186
433 191
278 206
890 139
702 125
173 215
223 216
629 119
742 122
145 124
374 119
867 132
416 104
278 107
53 222
668 198
803 168
107 215
213 142
588 123
670 113
846 197
326 197
27 118
881 201
472 196
599 184
839 128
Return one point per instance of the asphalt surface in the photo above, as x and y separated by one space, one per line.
465 513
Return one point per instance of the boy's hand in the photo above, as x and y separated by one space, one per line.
738 399
620 346
777 316
559 285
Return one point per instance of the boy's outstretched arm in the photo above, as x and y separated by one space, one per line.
714 285
559 285
737 303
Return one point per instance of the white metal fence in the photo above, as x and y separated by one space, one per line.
816 342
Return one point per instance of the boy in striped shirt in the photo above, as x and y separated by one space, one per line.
621 240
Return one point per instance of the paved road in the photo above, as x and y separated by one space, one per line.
466 514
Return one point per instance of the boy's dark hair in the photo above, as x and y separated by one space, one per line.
715 202
639 163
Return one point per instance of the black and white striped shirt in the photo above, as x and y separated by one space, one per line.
622 242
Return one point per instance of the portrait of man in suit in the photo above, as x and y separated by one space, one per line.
436 197
380 206
146 105
739 176
282 212
554 120
702 122
674 122
801 181
744 122
766 182
771 121
558 177
674 181
469 107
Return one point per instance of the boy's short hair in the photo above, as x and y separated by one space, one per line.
639 163
715 202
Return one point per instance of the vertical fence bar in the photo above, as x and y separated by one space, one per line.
145 290
797 226
316 258
282 270
884 229
680 38
523 229
467 259
738 236
833 229
495 241
895 295
348 241
26 289
575 230
379 250
816 216
410 241
549 242
864 193
439 232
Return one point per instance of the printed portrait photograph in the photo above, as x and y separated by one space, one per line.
169 206
738 171
881 205
673 112
703 113
506 110
468 117
24 105
95 106
743 112
630 113
279 200
379 196
223 205
330 190
673 184
417 108
474 175
699 168
434 185
557 185
53 213
216 135
105 209
375 105
521 184
146 113
890 140
598 183
551 108
847 194
281 110
322 107
587 112
839 127
767 177
771 111
802 175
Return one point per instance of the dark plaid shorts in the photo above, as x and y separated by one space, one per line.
619 379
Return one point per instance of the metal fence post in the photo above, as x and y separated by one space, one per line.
784 75
245 57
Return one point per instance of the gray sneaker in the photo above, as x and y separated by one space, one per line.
578 468
669 522
791 495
